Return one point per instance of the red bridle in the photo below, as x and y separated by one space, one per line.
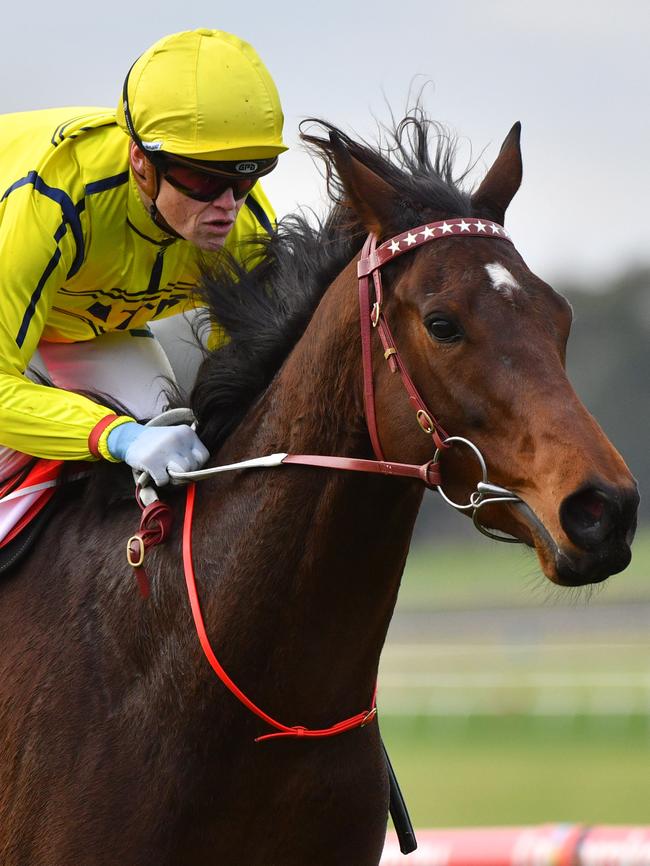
372 318
372 259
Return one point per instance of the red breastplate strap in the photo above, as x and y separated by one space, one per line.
282 730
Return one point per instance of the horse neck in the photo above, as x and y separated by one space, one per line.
316 553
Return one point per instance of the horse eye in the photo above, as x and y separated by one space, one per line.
444 330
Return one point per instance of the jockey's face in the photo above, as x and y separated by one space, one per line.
204 224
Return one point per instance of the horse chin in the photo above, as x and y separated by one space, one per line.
568 565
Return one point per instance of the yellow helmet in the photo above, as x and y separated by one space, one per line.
204 95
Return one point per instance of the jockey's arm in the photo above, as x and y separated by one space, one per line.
37 253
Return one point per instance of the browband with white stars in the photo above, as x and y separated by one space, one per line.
390 249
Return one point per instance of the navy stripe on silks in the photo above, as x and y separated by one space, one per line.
31 308
142 332
70 214
61 128
164 243
156 272
256 208
107 183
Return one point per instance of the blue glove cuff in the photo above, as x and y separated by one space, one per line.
121 437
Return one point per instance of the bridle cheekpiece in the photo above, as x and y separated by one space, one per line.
373 257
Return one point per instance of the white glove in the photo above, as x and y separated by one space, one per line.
155 450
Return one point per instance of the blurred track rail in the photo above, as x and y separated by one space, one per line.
544 845
554 661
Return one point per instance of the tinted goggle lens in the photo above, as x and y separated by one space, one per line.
203 186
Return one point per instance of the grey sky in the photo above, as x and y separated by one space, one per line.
574 72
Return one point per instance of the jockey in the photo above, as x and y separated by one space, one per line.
104 216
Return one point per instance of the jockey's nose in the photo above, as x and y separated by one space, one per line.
225 201
598 514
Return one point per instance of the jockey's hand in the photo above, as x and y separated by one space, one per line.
156 450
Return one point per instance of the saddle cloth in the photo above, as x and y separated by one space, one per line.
25 495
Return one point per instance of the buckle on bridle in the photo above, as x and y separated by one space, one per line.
135 557
375 314
426 422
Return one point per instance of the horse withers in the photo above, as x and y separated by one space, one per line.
119 743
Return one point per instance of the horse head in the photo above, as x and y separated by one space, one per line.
484 340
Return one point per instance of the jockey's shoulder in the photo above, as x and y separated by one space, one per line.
65 148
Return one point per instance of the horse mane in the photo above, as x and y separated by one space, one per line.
264 309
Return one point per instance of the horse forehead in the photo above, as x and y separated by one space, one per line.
502 279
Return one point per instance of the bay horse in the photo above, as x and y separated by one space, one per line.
119 745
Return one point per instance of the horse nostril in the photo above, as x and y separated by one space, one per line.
588 517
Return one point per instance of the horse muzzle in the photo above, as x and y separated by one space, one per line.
597 523
600 521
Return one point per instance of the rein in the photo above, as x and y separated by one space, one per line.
372 318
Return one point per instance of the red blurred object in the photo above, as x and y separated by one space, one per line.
543 845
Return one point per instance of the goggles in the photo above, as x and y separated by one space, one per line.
202 185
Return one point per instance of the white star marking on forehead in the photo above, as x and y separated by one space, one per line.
502 280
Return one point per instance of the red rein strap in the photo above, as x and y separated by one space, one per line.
429 472
357 721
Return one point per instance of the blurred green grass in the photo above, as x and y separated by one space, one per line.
475 572
520 769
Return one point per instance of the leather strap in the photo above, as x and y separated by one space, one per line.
366 357
155 525
407 241
429 472
370 263
282 730
374 318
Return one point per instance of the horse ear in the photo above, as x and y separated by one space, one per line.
502 180
372 198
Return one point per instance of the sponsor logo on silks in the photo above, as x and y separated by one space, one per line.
152 145
246 167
